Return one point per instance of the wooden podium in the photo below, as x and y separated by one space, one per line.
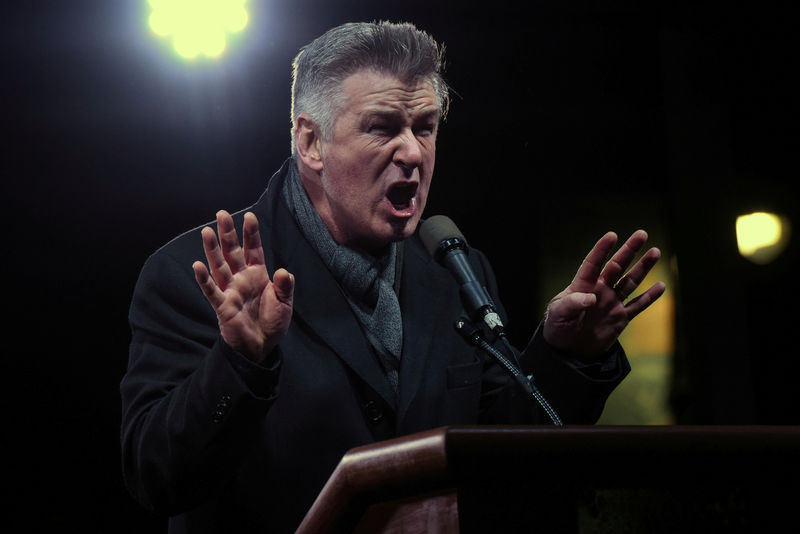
572 479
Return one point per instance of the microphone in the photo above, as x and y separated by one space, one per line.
448 246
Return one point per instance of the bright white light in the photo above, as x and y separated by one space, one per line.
197 27
761 236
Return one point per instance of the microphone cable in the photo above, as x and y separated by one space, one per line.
474 337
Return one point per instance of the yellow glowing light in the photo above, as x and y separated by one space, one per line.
761 236
197 27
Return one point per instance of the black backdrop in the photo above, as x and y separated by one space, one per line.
568 120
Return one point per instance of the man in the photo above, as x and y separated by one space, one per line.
244 389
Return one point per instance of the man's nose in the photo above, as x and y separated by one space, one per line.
409 151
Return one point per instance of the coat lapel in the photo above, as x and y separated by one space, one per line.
422 301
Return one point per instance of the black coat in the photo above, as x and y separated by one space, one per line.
223 445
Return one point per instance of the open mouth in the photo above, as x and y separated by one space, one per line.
401 194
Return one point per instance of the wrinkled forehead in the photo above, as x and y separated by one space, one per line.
369 90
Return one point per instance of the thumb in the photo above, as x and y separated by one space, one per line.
283 283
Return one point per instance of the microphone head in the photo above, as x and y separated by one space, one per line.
439 231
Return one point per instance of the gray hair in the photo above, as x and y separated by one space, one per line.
321 66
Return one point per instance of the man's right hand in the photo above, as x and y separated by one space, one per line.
253 311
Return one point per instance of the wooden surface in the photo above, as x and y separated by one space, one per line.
429 512
566 479
375 473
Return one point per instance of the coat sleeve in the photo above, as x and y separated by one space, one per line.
189 401
575 389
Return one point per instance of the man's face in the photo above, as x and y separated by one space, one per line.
377 165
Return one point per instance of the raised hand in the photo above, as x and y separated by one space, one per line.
588 316
253 311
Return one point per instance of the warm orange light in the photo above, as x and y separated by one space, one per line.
762 236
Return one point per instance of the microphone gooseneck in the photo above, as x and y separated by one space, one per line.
473 336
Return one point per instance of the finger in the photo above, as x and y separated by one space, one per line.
253 251
216 261
628 283
622 258
283 282
592 265
229 242
640 303
212 292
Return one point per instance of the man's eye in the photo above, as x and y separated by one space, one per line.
378 128
426 129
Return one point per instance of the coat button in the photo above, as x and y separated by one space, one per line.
374 413
221 409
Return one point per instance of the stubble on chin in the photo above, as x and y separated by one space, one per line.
403 229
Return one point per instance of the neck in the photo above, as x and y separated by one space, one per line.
312 184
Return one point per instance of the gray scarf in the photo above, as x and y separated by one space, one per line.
368 282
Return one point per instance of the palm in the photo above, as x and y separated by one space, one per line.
253 311
239 314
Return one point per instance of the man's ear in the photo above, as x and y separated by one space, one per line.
307 140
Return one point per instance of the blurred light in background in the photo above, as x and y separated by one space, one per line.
198 27
761 236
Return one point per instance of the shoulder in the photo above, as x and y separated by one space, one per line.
187 247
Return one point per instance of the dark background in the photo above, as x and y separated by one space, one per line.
569 120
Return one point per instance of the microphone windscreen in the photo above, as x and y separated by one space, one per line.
436 229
